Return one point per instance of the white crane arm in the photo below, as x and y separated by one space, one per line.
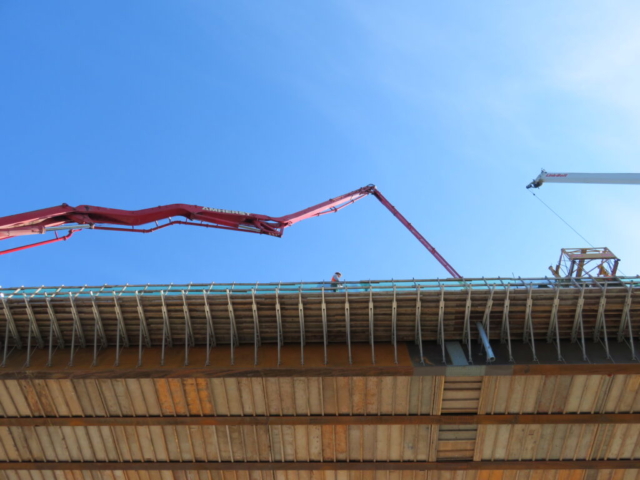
611 178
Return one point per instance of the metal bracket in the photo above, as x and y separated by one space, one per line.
625 322
279 324
33 324
211 338
528 336
301 315
11 324
371 333
233 341
553 324
441 339
122 329
324 328
256 327
347 323
601 323
394 325
418 329
188 328
505 333
466 329
166 328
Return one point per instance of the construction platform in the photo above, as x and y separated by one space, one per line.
384 379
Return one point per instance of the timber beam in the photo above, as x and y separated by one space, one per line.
328 466
509 419
97 363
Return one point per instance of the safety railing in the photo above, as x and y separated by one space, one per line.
283 288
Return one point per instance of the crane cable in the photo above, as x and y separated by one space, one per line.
565 222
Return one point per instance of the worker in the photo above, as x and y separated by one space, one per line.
335 281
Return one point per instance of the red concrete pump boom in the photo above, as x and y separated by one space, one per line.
73 219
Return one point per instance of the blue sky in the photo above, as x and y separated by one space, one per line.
451 108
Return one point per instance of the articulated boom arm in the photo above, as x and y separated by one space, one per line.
610 178
73 219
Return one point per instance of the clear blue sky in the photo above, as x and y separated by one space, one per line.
451 108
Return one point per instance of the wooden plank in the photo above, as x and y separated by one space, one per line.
272 394
163 394
286 395
533 389
328 442
371 396
369 442
395 442
177 396
315 443
517 394
341 442
315 395
219 396
17 397
358 395
206 402
192 396
343 393
93 390
44 398
150 397
83 397
233 396
32 398
436 398
122 397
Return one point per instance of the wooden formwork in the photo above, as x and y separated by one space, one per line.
330 385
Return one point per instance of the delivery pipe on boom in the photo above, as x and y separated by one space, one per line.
452 271
65 217
604 178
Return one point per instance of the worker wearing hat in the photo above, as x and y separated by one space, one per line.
335 281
